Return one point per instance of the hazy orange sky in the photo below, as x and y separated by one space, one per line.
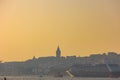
36 27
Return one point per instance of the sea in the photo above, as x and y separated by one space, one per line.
51 78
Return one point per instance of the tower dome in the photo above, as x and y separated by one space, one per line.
58 52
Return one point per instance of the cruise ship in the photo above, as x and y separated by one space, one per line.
98 70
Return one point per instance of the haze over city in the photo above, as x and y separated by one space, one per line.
36 27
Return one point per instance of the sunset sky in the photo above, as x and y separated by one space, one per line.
36 27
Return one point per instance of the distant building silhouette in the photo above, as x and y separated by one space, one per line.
58 52
55 64
34 58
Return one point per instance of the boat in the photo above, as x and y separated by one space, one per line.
98 70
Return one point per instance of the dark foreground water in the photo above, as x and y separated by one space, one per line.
52 78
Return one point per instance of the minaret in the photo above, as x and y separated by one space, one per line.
58 53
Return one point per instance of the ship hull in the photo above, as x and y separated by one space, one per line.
94 71
95 74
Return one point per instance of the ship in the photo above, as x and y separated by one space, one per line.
98 70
